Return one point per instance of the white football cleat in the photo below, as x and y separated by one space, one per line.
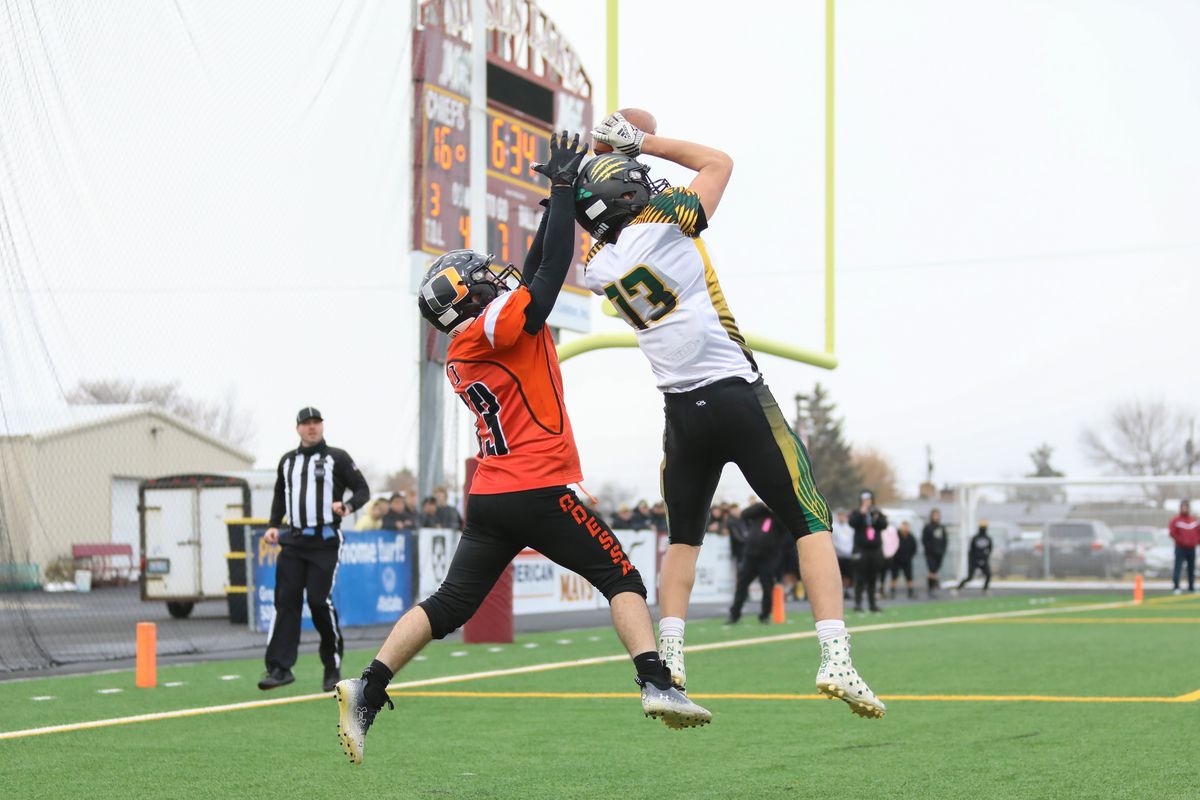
670 650
837 679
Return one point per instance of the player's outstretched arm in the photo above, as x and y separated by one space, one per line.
713 167
558 241
533 259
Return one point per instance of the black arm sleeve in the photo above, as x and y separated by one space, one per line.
278 503
353 480
558 247
533 259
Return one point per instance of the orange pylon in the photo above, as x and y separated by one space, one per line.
1137 589
778 613
146 672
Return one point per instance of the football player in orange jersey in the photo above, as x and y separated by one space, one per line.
502 363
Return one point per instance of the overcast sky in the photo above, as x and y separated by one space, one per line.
1018 184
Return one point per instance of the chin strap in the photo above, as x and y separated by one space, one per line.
460 327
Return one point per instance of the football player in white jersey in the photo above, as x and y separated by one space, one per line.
650 261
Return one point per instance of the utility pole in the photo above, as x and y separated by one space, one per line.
801 415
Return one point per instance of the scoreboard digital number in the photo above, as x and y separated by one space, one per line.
514 147
513 191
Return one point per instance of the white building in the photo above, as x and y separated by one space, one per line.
70 474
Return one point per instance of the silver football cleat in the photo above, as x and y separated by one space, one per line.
355 716
673 707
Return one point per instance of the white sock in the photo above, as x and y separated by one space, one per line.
828 629
670 626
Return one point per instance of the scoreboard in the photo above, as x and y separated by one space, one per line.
523 109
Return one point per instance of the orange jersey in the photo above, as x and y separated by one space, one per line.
511 381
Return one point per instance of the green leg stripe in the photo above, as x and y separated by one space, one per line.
796 458
821 507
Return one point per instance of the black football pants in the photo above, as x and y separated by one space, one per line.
552 521
734 421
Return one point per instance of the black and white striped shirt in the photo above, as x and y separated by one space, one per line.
309 481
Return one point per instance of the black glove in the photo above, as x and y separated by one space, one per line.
564 161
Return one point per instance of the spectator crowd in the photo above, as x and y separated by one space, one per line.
400 512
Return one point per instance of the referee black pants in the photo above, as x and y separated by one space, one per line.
552 521
300 570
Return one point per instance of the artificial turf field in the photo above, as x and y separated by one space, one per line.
1055 703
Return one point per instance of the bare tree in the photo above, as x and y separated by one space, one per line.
878 474
223 418
1042 468
1143 437
612 494
403 480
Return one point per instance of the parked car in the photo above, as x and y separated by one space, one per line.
1134 542
1160 560
1023 556
1003 534
1082 547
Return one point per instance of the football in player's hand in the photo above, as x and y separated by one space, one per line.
639 118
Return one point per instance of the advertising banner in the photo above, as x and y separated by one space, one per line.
435 547
540 585
373 586
715 573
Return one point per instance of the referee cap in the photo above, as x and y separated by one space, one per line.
307 413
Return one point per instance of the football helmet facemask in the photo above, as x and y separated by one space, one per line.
459 285
610 191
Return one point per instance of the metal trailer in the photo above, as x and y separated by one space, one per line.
184 537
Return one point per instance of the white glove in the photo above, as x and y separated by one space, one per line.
619 134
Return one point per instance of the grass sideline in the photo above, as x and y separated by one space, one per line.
588 739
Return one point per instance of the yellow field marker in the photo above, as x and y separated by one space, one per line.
908 698
1092 621
1172 598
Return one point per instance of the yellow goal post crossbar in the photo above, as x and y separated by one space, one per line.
759 344
824 360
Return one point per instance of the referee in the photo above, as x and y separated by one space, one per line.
309 485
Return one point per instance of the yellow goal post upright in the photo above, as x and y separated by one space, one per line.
824 360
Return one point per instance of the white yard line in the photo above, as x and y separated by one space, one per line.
546 667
